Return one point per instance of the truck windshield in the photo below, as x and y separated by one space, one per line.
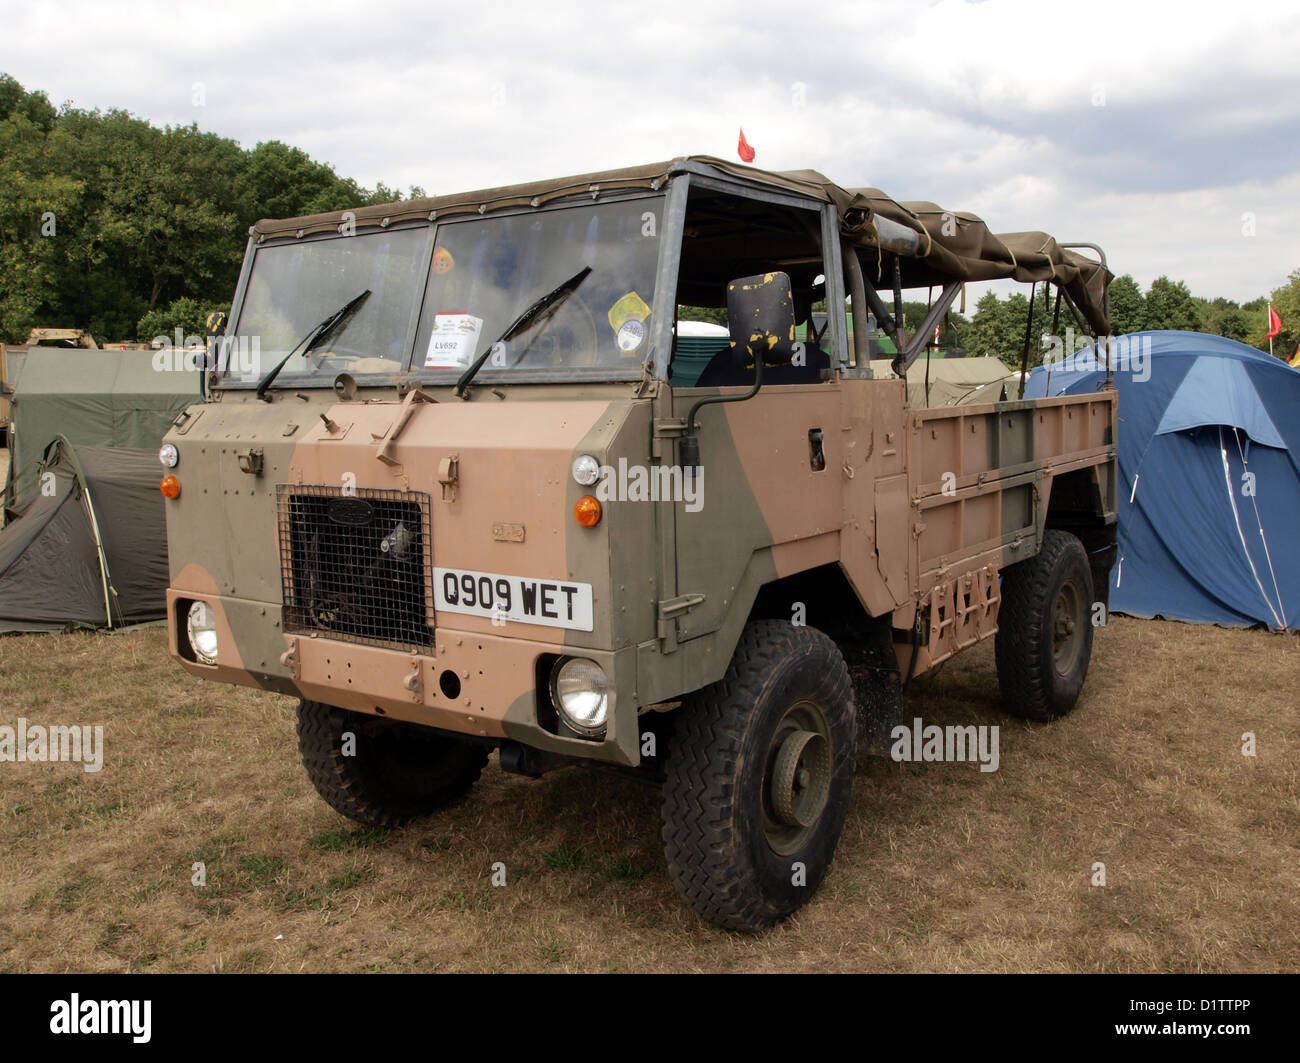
482 274
486 271
293 286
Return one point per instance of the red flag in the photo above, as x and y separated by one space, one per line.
743 149
1274 322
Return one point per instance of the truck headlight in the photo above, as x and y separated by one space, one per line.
169 455
580 693
586 470
201 627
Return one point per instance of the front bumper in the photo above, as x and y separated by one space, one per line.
497 690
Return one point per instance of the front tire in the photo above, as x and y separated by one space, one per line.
1044 639
390 772
759 778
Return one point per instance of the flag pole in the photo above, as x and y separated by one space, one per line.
1270 328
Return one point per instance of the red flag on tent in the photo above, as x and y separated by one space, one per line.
743 149
1274 323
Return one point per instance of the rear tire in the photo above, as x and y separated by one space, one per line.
759 777
396 772
1044 639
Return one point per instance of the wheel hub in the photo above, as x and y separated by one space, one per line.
1067 628
801 778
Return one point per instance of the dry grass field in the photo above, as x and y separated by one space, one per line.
941 867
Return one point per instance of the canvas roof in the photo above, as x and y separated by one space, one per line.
954 245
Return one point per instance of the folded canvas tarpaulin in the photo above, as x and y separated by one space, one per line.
88 549
108 398
951 245
1209 462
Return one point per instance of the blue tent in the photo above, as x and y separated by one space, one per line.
1209 461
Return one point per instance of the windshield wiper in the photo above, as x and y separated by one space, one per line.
314 336
522 322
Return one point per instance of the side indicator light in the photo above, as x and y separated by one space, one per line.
586 511
171 487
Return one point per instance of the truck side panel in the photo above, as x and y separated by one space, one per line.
921 509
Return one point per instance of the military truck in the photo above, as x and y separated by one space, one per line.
452 490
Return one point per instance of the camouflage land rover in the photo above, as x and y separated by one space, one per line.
459 485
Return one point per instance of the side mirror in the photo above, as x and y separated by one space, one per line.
760 311
215 323
214 326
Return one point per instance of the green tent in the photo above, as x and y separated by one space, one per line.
88 547
97 398
952 381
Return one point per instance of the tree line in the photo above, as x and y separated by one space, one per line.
110 224
998 327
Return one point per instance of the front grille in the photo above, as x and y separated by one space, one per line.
357 566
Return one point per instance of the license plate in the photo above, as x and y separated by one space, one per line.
517 599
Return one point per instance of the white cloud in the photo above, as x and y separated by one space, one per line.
978 106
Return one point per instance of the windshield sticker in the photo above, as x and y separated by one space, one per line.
453 341
630 336
442 261
627 319
630 307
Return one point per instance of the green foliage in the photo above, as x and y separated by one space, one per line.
1169 305
110 224
1128 312
1222 317
280 181
999 325
954 328
714 315
186 314
33 106
154 221
34 196
998 330
1286 301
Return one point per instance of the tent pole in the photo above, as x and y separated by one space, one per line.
103 559
94 525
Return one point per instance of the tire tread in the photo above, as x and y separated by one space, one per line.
699 789
355 793
1025 677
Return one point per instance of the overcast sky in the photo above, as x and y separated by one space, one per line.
1167 132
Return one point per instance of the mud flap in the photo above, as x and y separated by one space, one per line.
1101 561
878 692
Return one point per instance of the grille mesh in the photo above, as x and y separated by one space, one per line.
357 567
